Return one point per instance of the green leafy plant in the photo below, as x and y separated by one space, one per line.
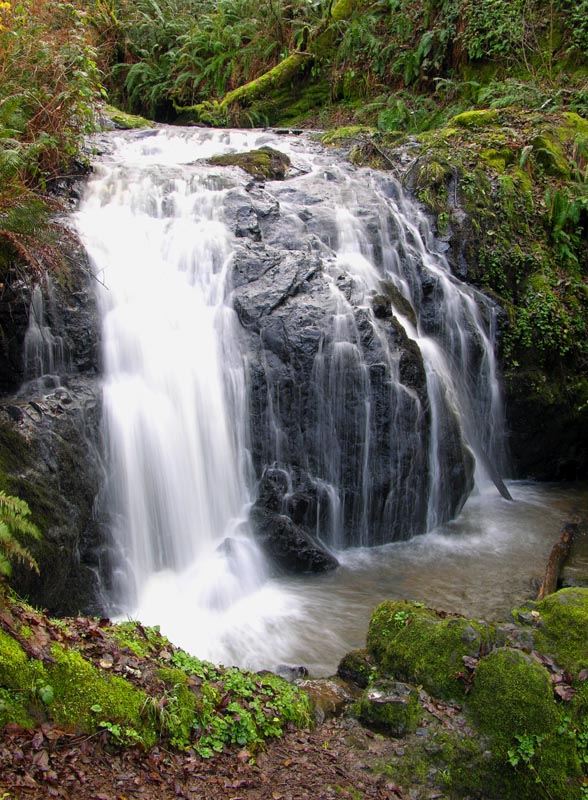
401 617
122 735
15 525
525 751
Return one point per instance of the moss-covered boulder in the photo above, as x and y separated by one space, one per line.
346 134
391 707
423 646
559 626
121 120
475 119
263 164
357 666
511 693
513 704
550 156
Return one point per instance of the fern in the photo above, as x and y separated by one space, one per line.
14 526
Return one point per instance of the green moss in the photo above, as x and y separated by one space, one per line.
575 124
174 713
475 119
79 686
550 156
343 9
13 708
282 74
421 646
124 121
67 689
560 627
390 707
498 160
14 665
262 164
512 694
512 702
431 178
339 136
142 640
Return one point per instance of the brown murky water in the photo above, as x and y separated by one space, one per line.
482 565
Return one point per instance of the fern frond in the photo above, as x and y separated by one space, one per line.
15 523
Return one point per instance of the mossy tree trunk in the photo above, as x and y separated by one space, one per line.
293 72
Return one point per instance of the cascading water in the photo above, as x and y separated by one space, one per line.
371 395
44 352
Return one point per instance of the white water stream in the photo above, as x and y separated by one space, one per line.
180 478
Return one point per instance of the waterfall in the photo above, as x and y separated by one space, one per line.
311 325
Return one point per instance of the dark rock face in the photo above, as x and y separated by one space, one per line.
548 437
50 458
50 430
350 412
287 545
69 320
14 319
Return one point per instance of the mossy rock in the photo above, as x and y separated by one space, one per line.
498 159
390 707
263 164
512 702
343 9
84 697
550 156
342 136
575 124
423 646
358 667
512 694
560 627
475 119
123 121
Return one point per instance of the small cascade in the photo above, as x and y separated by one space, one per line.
308 329
44 351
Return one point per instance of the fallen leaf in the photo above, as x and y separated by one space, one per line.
38 739
41 759
565 692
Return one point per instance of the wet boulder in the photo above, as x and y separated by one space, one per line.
329 697
289 548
